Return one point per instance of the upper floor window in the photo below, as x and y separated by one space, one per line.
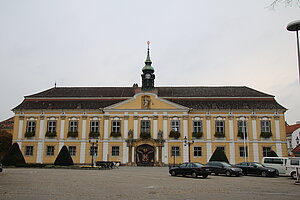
30 126
94 126
265 126
197 126
145 126
242 126
175 125
116 126
220 126
73 126
51 126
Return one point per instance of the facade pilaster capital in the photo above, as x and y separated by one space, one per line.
84 117
135 117
62 117
165 117
126 117
21 117
155 117
106 117
253 117
42 117
207 117
185 117
276 117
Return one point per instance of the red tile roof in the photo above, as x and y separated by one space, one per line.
7 124
296 149
291 128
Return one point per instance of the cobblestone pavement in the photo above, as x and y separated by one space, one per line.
137 183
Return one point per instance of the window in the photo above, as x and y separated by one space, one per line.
145 126
72 150
220 126
265 126
50 151
30 126
197 126
93 150
197 151
243 151
242 126
116 126
175 125
51 126
73 126
28 150
295 162
266 151
94 126
115 151
175 151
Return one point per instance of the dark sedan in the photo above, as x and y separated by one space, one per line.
217 168
193 169
257 168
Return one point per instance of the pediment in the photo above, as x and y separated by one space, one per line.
146 101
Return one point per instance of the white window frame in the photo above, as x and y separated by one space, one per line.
116 126
51 128
220 126
29 150
31 125
265 126
115 151
95 126
145 126
197 126
266 151
50 150
73 126
175 125
198 151
243 126
72 150
175 150
243 151
93 150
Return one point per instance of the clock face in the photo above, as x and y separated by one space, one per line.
147 76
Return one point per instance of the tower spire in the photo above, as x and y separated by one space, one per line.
148 61
147 75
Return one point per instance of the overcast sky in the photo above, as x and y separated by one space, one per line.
103 43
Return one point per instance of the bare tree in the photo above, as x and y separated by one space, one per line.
286 3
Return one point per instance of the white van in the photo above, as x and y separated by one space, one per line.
285 166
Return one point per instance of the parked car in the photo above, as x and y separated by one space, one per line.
190 168
1 168
217 168
285 165
257 168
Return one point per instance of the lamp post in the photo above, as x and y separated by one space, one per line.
186 142
297 140
94 143
295 26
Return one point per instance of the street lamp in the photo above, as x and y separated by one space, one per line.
186 142
295 26
94 143
297 140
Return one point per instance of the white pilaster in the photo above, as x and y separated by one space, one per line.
62 129
40 152
277 129
279 149
105 130
209 150
20 130
82 152
165 127
105 151
231 134
60 145
135 126
155 126
41 132
125 152
208 131
185 152
132 155
125 127
157 154
254 128
165 153
185 135
255 152
232 153
83 135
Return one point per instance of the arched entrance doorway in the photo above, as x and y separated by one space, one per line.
145 155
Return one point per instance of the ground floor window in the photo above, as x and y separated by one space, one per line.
29 151
50 151
266 151
243 152
197 151
115 150
222 148
72 150
93 150
175 151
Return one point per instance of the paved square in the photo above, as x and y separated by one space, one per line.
137 183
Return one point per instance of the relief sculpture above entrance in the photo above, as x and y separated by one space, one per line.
145 155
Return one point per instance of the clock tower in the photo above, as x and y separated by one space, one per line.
147 75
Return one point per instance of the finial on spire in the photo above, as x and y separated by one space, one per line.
55 84
148 42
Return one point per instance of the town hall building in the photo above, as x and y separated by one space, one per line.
149 125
